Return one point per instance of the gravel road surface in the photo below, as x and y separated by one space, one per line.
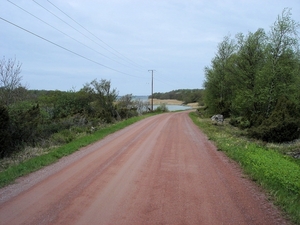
161 170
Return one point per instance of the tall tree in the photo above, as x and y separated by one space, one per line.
218 92
254 80
246 74
281 63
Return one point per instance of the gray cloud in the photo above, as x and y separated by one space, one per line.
176 38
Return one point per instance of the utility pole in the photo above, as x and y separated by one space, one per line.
151 90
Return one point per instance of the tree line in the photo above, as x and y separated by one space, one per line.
185 95
254 79
45 118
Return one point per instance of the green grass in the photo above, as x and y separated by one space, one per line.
278 174
13 172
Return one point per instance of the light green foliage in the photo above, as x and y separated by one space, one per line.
62 137
277 171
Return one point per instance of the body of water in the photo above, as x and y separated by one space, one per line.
175 107
170 107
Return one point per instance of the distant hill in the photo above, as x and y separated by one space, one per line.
185 95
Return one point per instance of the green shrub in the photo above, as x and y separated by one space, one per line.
202 111
281 126
162 108
63 137
126 113
239 122
282 131
24 120
5 137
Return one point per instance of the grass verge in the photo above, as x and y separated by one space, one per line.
278 174
12 173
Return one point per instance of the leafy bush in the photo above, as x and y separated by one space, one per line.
281 126
162 108
63 137
4 132
24 120
126 113
282 131
36 120
240 122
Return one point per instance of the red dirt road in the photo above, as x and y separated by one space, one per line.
161 170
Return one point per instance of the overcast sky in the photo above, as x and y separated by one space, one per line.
73 42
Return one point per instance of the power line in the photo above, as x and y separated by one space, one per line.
92 34
75 28
172 83
65 33
167 83
51 42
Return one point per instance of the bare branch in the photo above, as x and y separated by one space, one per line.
10 80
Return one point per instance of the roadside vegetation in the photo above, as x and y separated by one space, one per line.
39 126
254 80
264 163
26 161
43 119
